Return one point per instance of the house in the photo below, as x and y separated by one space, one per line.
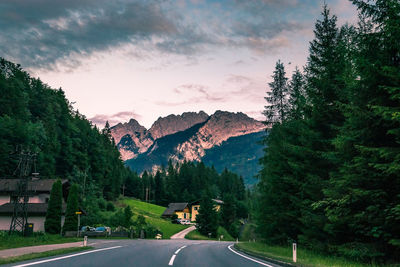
195 206
188 211
39 194
182 210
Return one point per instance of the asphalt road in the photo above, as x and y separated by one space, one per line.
178 253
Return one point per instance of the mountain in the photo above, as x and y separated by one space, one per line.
176 123
133 139
224 139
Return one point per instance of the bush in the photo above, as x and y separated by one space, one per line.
102 204
151 231
110 206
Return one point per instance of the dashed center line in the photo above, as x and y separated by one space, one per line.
171 261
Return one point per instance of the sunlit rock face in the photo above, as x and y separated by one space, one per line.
221 126
176 123
131 139
190 137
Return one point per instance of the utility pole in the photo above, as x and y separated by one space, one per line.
20 197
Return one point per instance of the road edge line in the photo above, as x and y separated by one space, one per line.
246 257
65 257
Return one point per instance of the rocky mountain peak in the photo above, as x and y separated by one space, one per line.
221 126
175 123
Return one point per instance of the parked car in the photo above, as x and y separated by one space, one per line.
177 221
88 229
185 221
102 229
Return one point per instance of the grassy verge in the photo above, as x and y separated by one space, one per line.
152 213
195 235
42 254
305 258
15 240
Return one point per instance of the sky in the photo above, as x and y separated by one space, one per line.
144 59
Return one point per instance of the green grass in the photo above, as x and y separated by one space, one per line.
152 213
42 254
16 240
305 258
248 232
195 235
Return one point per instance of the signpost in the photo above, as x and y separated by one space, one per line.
79 221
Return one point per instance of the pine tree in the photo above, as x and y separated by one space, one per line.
363 201
297 99
207 218
276 111
128 217
159 190
71 219
228 214
52 224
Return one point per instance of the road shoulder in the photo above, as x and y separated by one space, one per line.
262 257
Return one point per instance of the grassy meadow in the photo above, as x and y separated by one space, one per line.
152 213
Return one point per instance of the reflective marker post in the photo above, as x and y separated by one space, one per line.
85 241
79 221
294 252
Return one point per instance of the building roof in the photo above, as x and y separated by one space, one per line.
172 207
40 185
32 208
216 201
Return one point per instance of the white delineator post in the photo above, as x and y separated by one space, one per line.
294 252
85 241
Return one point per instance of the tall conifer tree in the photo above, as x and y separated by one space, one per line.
52 224
71 219
275 111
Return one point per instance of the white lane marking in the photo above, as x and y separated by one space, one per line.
244 256
65 257
176 252
171 261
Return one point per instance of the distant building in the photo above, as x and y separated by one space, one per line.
39 194
188 211
180 209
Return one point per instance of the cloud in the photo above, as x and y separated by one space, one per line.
101 119
195 93
49 33
245 87
47 30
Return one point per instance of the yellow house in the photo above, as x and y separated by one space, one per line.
180 209
195 206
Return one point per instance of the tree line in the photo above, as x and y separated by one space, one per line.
37 118
330 177
184 182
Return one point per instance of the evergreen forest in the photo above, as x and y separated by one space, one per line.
330 177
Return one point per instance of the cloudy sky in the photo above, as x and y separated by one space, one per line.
144 59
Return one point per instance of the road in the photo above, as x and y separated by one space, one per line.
182 234
141 253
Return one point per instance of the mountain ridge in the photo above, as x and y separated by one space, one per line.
189 136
